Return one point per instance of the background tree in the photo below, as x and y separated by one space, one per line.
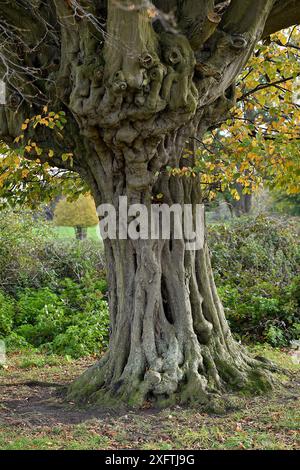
138 81
79 214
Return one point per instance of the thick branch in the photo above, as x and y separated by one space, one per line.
285 13
230 47
23 19
197 20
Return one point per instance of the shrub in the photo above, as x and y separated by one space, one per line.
15 342
82 296
53 290
21 244
33 304
256 265
88 335
31 256
74 259
6 315
48 325
73 320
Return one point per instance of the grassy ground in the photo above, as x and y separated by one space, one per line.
68 232
33 414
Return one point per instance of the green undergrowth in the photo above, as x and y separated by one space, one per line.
256 266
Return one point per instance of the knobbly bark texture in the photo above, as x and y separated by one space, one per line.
139 81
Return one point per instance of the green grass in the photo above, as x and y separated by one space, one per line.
54 439
286 360
69 232
36 417
40 361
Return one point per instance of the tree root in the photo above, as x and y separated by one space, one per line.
193 385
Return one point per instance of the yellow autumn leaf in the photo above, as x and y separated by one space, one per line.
25 173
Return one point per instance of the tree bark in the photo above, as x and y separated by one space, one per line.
243 205
80 232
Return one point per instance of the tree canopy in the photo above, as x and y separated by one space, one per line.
39 40
79 213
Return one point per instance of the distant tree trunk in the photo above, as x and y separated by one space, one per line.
50 208
80 233
243 205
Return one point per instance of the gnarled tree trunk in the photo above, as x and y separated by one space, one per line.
169 341
169 338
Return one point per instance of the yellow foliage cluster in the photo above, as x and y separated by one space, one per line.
78 213
261 141
50 119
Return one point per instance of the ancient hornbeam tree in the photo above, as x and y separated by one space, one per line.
139 81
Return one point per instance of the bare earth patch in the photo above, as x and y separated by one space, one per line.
34 415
